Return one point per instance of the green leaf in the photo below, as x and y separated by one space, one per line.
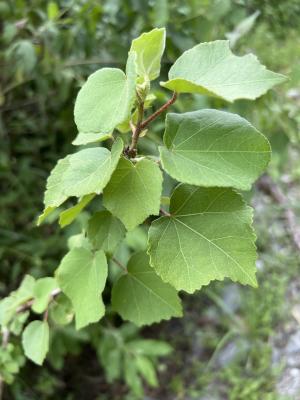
68 216
105 231
140 296
42 293
61 310
149 48
35 341
106 99
150 347
86 138
85 172
131 376
213 148
134 191
147 370
212 69
81 275
52 10
10 304
90 170
208 236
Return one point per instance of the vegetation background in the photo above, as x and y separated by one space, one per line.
234 342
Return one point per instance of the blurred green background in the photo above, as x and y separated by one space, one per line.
234 342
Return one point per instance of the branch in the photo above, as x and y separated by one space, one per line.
159 111
26 306
136 130
131 151
266 185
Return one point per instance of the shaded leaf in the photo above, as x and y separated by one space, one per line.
140 296
105 231
134 191
68 216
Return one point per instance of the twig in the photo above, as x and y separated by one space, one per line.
131 151
28 304
119 264
136 130
159 111
266 185
164 213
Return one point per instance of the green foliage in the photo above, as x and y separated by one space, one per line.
35 340
82 275
154 300
105 231
149 48
62 38
106 99
134 191
213 148
208 236
42 292
212 69
121 353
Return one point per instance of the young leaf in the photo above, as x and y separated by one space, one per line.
134 191
149 48
86 138
68 216
212 69
213 148
106 99
105 231
35 341
82 173
81 275
142 297
208 236
42 293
